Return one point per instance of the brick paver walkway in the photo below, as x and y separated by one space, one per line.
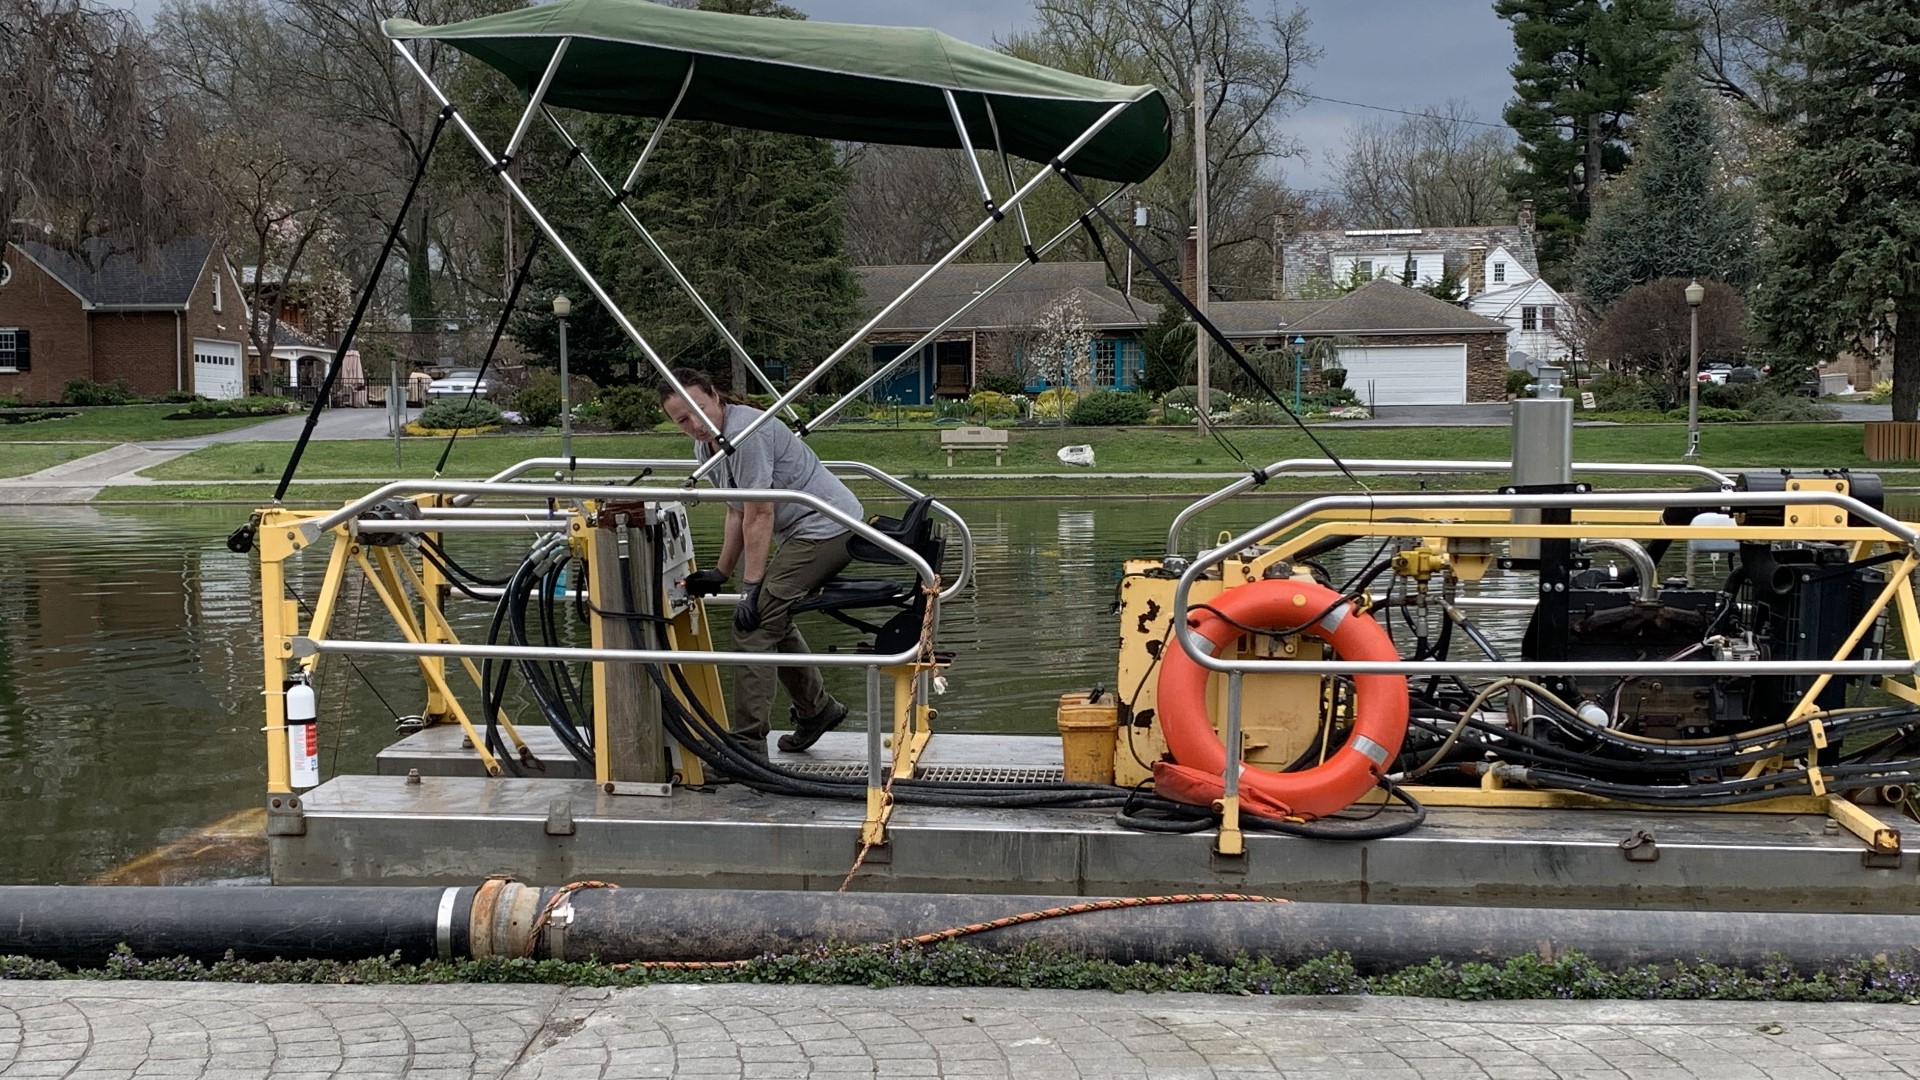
106 1030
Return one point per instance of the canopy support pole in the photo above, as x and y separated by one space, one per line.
973 157
533 103
1006 163
659 129
819 370
619 199
880 376
592 284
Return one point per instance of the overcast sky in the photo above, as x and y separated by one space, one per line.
1401 54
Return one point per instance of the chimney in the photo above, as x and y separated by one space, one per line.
1525 217
1477 268
1190 264
1282 229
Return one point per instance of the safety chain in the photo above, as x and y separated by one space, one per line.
1082 908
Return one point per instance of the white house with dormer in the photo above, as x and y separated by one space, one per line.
1496 265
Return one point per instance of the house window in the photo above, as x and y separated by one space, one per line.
1106 362
1499 272
1549 318
9 349
1366 267
1529 318
216 291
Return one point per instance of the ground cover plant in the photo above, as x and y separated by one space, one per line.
1891 979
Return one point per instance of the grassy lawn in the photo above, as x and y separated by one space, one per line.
19 459
121 423
1145 449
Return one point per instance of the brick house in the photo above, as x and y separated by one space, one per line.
998 335
1399 346
173 320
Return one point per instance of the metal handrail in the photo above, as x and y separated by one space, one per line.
1247 483
1201 653
967 557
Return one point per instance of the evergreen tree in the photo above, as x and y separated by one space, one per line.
1583 66
752 218
1671 215
1844 263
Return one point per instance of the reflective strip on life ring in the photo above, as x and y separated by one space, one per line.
1379 706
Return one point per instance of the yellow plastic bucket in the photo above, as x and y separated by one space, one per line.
1089 735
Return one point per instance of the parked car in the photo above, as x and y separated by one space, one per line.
1745 374
1715 373
458 383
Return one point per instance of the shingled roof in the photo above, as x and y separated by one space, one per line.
110 273
1308 256
1016 305
1378 307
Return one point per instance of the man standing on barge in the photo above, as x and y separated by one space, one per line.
783 551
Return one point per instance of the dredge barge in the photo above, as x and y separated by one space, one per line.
1651 738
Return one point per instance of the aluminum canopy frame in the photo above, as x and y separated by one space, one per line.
861 83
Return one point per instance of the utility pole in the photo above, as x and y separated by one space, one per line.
1200 341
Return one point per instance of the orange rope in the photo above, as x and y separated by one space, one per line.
1082 908
553 904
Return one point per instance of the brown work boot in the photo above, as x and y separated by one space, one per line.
807 731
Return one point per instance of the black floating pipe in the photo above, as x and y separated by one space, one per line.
82 925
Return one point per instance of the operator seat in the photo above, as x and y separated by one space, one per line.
916 529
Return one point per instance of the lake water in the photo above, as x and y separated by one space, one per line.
130 661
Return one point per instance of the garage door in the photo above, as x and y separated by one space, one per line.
1407 374
216 369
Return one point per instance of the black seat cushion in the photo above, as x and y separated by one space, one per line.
841 594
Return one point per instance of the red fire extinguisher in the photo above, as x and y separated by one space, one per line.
303 734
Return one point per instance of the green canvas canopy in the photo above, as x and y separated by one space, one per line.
859 83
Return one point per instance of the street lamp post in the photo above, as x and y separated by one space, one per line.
1299 363
1695 293
563 307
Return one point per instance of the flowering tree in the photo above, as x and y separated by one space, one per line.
1063 346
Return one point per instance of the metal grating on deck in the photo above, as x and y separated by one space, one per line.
966 774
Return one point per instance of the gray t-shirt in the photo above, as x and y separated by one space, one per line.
774 457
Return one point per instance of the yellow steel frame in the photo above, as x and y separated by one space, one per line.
1804 522
398 583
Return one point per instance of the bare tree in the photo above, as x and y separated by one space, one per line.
1647 331
1254 61
91 140
1439 168
1740 42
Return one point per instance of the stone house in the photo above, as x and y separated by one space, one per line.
1399 346
998 335
1497 268
171 320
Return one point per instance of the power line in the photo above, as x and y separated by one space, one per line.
1403 112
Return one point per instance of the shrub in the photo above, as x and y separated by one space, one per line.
1881 393
999 382
631 407
1617 392
1256 412
1110 408
1709 415
538 402
1050 404
1518 382
453 413
991 405
88 392
203 409
1770 404
1335 378
176 397
1728 395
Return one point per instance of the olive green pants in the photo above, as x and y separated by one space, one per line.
797 568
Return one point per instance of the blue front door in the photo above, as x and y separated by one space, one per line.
910 384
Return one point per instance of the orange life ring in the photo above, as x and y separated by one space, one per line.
1380 702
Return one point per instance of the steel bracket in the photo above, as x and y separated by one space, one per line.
1880 860
560 817
285 816
880 854
1229 864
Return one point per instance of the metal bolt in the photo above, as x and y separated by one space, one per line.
1793 518
413 776
1831 828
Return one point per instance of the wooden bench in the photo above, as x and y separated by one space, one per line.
974 438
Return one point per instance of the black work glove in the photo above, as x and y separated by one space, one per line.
706 582
746 617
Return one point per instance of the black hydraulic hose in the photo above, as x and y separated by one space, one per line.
550 584
440 549
447 571
544 694
493 690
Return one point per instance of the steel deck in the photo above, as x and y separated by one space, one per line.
448 828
